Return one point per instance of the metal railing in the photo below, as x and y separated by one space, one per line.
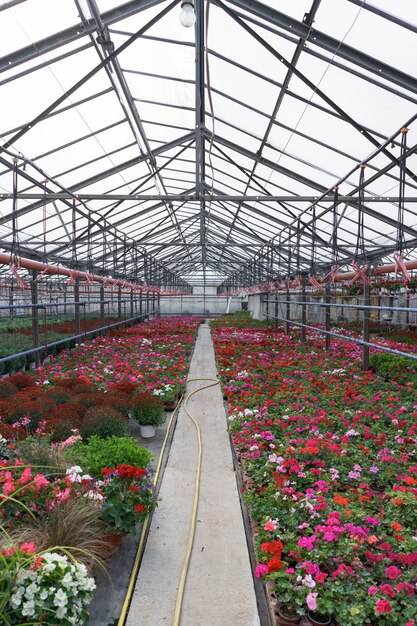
327 305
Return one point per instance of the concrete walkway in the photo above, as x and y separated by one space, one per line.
219 589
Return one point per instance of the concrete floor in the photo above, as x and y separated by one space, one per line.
111 589
219 589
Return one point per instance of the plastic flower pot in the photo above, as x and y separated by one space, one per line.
319 620
147 431
112 543
285 616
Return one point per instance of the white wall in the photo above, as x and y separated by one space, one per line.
197 305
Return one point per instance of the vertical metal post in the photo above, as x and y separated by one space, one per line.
119 303
102 317
379 310
276 310
11 301
35 316
140 304
147 304
131 303
85 317
200 126
365 328
288 312
45 326
407 304
327 315
303 309
267 307
77 307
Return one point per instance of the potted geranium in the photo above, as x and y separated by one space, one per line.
148 410
127 498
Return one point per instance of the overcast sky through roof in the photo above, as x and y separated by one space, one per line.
291 108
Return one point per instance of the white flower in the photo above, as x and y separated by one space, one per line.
31 590
60 598
28 608
49 567
61 612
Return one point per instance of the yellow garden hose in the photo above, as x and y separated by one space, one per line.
136 563
180 594
135 568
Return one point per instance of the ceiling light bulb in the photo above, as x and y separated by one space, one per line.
187 15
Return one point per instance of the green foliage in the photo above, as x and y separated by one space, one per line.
103 422
391 366
99 453
240 319
148 409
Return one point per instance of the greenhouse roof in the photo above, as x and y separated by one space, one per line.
129 141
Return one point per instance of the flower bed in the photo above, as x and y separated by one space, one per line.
150 355
330 474
69 475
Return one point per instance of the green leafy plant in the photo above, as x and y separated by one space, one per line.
103 422
391 366
100 453
148 409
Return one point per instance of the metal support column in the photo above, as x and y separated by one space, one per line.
276 310
119 304
102 315
327 316
365 327
132 313
77 307
200 124
35 316
303 308
288 313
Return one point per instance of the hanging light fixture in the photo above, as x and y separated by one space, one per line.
187 15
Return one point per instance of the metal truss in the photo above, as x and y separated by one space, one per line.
249 214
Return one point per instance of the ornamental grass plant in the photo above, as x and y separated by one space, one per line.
75 525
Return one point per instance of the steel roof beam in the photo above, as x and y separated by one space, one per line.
212 197
332 45
387 16
282 93
98 177
73 33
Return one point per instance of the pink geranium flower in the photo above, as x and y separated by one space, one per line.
261 570
392 572
311 601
